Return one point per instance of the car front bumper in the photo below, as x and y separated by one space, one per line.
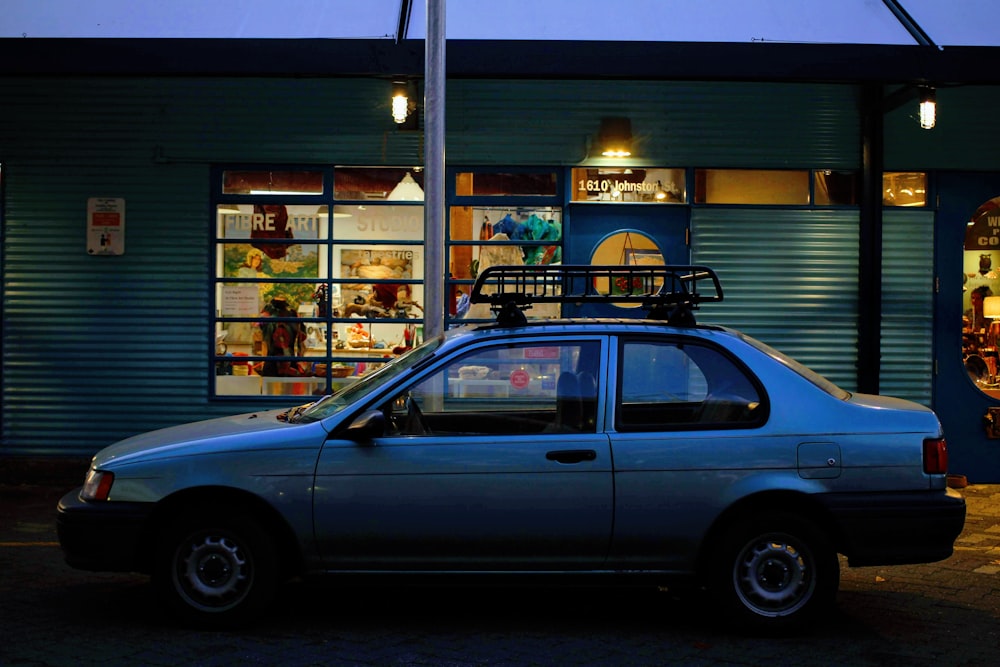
102 537
897 528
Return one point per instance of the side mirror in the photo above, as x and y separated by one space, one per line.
366 427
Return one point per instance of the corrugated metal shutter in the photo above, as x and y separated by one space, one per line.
790 279
907 361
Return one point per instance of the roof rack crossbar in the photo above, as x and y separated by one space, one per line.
667 291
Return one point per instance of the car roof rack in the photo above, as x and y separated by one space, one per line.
668 292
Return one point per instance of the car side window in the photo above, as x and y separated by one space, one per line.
672 384
514 389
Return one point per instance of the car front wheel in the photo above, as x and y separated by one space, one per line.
216 570
775 573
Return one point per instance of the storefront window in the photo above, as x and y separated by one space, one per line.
904 188
752 186
502 184
505 217
272 182
981 296
629 184
389 183
836 188
311 294
484 236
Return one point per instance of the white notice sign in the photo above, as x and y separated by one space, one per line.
240 301
105 226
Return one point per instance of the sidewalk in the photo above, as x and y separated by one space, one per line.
982 529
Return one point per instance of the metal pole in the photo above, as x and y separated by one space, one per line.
434 165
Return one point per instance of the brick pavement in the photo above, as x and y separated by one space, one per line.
940 613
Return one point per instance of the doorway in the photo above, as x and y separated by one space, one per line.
624 234
966 387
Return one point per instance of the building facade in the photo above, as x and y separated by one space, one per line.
194 228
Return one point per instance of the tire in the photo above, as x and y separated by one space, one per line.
774 573
215 570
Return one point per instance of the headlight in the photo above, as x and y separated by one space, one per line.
97 485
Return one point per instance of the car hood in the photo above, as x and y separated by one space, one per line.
212 435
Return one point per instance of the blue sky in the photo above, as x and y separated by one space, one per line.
948 22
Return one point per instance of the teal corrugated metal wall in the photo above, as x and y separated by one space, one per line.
99 348
790 279
673 123
907 304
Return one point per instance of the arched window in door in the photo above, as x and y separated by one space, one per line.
981 295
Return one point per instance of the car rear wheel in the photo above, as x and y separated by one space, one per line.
216 570
775 572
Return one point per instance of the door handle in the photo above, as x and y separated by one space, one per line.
572 455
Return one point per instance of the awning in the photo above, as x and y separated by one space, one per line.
953 23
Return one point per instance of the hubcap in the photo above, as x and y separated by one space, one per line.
773 577
213 572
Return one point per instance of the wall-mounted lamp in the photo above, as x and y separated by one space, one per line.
403 103
615 138
926 96
928 107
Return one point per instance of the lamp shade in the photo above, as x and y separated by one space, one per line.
991 307
407 190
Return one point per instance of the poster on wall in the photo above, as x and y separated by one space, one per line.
381 298
105 226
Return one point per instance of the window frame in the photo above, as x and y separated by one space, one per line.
556 201
319 361
757 417
500 396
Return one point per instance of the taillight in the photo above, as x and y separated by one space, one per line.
935 456
97 485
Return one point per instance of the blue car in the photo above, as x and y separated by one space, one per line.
651 450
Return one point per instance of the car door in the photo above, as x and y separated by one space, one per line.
492 459
687 420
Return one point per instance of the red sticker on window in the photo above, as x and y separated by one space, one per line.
519 379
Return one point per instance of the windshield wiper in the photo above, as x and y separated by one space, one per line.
291 415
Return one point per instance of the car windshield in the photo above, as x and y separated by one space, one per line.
809 374
334 403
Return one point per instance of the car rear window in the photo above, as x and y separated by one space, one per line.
668 384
